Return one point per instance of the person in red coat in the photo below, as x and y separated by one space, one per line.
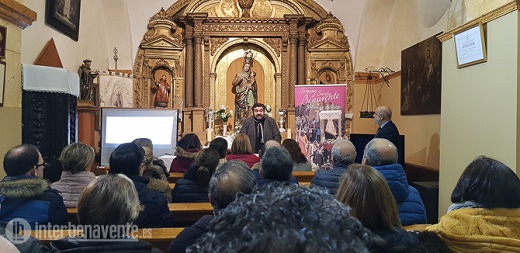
241 150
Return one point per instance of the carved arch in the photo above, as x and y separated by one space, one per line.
262 44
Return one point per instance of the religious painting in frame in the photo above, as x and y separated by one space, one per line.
64 16
3 39
421 78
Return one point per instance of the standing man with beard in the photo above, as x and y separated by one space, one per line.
260 128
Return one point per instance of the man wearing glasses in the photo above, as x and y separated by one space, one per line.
260 128
23 192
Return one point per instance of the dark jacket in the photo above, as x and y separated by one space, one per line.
183 159
271 131
389 131
409 202
397 238
249 159
329 178
72 244
188 190
402 241
189 235
260 181
31 198
156 212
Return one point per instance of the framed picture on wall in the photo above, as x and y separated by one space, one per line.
64 16
470 46
421 76
3 39
2 83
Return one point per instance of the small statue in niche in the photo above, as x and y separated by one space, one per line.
86 77
162 91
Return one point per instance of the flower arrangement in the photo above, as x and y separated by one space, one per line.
268 110
223 114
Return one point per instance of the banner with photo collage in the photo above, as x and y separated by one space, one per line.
319 119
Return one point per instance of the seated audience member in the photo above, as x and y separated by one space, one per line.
109 203
187 148
127 159
300 162
232 178
485 214
221 145
23 194
381 154
365 190
343 155
76 160
285 219
155 161
241 150
194 186
267 144
276 167
158 181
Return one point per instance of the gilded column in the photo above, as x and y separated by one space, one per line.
198 71
188 77
293 68
302 41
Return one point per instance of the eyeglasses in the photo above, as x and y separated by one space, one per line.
44 165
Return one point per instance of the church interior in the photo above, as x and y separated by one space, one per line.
198 46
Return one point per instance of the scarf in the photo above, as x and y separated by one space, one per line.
465 204
259 125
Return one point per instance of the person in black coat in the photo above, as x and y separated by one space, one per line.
194 186
128 159
387 129
232 178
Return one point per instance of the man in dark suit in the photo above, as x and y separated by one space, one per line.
387 129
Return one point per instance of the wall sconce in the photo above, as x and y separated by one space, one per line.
281 119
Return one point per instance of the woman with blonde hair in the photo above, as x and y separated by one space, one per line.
106 209
241 149
76 159
366 191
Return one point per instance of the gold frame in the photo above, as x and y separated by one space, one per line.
471 35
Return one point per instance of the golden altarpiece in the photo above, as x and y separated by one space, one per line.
200 45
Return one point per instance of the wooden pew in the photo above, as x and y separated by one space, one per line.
182 212
158 237
174 176
304 176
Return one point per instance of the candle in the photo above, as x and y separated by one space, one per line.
289 133
208 135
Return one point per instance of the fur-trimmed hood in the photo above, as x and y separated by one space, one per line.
189 154
23 188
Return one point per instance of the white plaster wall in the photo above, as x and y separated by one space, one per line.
406 29
92 41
